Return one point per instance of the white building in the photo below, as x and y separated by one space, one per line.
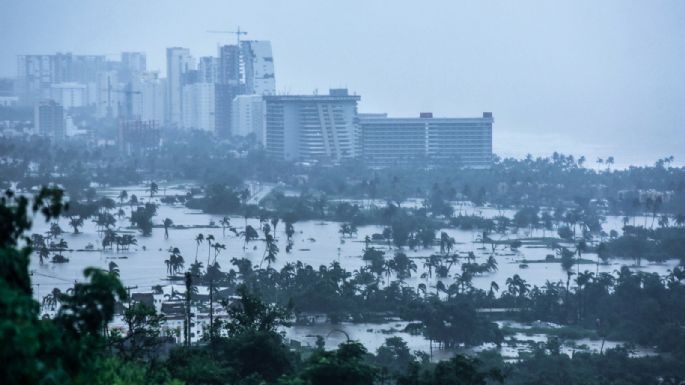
178 63
426 140
9 101
248 116
258 67
312 128
199 102
148 97
133 64
69 94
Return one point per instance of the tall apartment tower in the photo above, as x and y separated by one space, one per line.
208 70
133 64
199 106
148 98
37 73
178 63
258 67
228 87
312 128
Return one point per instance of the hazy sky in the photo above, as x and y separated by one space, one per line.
588 77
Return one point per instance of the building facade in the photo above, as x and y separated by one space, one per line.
248 116
426 140
179 62
312 128
69 95
258 67
199 102
37 73
49 119
148 98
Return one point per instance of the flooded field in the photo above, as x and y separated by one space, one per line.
315 243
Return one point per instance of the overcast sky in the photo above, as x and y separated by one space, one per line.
591 77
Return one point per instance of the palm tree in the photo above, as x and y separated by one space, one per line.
248 235
446 243
274 223
403 265
198 240
517 286
113 269
153 188
494 287
217 250
679 220
225 222
55 231
123 195
209 238
609 162
188 279
167 223
75 222
175 262
270 251
289 230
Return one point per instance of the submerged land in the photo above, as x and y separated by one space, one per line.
215 264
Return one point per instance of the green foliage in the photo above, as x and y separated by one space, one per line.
142 218
344 366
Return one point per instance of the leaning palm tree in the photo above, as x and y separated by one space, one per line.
198 240
225 222
167 223
494 287
209 238
217 250
113 268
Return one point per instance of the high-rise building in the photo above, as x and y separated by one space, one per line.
426 140
248 116
36 73
133 64
312 127
208 70
48 119
258 67
69 94
229 65
198 106
148 98
179 62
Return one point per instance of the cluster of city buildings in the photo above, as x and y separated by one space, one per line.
234 94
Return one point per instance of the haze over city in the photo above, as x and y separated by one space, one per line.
587 78
356 192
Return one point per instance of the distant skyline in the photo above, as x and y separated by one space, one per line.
580 77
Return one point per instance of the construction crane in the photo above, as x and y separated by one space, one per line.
128 92
237 33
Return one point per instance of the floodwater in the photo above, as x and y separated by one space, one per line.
315 243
